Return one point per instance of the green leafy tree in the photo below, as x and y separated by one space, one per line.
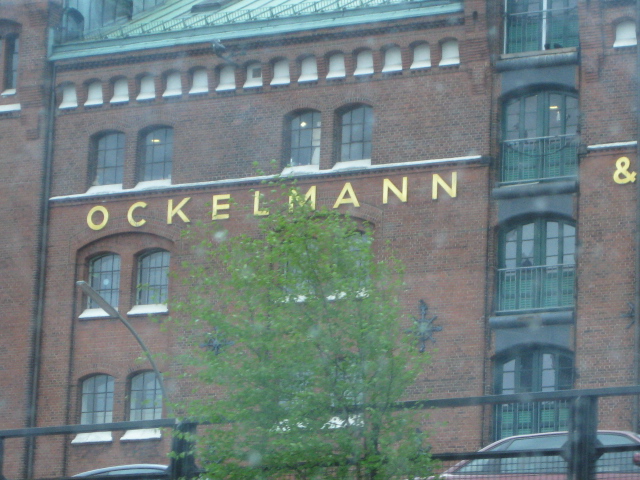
304 349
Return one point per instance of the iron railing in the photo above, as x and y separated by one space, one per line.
532 159
541 30
530 288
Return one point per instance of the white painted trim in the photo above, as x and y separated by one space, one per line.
603 146
111 188
148 309
93 437
14 107
240 181
364 163
141 434
8 91
94 313
292 170
152 184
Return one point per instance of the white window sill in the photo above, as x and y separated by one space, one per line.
352 164
67 106
449 63
148 309
9 91
141 434
280 81
14 107
392 69
359 73
119 100
113 188
146 96
335 76
94 313
94 103
308 78
625 43
93 437
420 65
194 91
252 85
172 93
300 169
152 184
225 88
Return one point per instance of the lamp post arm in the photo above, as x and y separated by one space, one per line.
96 297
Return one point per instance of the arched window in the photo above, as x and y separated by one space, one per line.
11 51
253 75
392 60
450 53
364 63
537 265
104 278
94 94
199 81
304 130
421 56
540 136
145 397
227 78
109 159
147 88
69 97
72 25
336 66
120 91
173 86
153 278
356 127
281 73
97 400
532 370
540 25
157 154
308 70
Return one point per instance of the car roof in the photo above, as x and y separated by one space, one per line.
547 434
123 469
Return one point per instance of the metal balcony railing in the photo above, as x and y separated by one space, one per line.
532 159
531 288
541 30
531 417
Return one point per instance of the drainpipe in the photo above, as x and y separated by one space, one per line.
636 310
39 288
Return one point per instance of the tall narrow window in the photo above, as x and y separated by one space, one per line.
537 266
157 154
153 278
355 136
11 54
109 162
146 397
540 138
305 139
533 370
532 25
97 400
104 278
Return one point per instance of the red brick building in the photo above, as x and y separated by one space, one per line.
494 148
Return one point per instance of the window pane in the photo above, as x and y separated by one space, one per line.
109 159
305 139
357 128
146 397
97 399
153 278
158 155
104 278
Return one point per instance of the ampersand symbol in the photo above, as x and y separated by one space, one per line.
622 174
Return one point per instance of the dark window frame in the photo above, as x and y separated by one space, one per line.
108 154
96 401
111 272
355 133
303 143
540 139
156 154
150 292
529 369
145 403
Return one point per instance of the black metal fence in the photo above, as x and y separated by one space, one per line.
582 453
